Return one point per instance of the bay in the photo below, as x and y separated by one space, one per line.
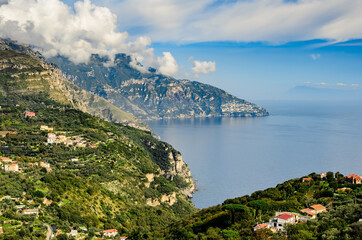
231 157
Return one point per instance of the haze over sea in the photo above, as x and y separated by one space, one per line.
231 157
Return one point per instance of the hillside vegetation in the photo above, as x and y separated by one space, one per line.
65 168
25 72
235 218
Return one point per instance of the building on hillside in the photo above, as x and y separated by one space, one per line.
306 179
123 238
344 189
110 232
261 226
20 206
318 208
73 233
29 114
313 210
47 202
279 221
308 212
31 211
46 128
12 167
44 164
354 179
323 175
6 160
1 230
52 138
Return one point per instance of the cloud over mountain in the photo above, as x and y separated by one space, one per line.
76 33
203 67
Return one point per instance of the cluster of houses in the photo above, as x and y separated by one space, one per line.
69 141
282 218
21 208
82 231
10 166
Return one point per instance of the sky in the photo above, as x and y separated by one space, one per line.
254 49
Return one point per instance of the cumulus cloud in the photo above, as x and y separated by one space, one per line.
203 67
167 64
240 20
315 56
76 33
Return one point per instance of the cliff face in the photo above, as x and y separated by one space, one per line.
154 96
28 74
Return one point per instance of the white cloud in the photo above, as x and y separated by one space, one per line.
76 32
252 20
203 67
315 56
167 64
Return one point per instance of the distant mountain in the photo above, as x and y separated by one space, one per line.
152 95
27 73
323 93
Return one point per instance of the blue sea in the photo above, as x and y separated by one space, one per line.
231 157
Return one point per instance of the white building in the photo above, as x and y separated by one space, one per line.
279 221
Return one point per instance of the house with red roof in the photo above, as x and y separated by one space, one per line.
306 179
30 114
12 167
313 210
261 226
110 232
354 179
279 221
1 230
318 208
5 160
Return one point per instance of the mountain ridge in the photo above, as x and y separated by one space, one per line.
151 95
21 63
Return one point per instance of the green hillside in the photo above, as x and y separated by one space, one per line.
235 218
24 72
65 168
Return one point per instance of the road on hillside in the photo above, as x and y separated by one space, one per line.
49 233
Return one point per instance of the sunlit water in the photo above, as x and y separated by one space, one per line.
231 157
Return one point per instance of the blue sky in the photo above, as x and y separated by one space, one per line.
257 71
255 49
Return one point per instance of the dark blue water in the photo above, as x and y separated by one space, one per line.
231 157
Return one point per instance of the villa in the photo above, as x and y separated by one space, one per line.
279 221
354 179
110 232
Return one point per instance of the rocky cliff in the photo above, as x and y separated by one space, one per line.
151 95
28 74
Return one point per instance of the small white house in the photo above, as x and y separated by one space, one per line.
110 232
279 221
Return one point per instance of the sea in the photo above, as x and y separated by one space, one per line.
232 157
